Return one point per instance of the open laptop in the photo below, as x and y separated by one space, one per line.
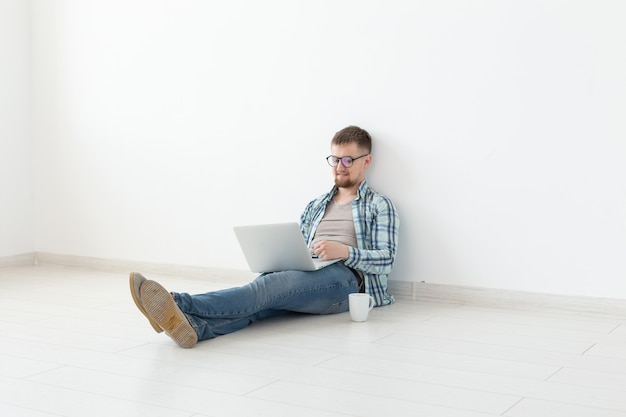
277 247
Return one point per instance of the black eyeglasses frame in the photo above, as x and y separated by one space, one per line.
346 161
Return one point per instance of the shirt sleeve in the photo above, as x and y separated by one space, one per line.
377 236
306 219
309 217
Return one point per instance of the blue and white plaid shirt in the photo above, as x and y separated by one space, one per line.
376 225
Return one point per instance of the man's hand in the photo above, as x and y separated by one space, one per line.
327 250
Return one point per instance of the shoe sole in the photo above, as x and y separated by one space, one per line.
136 279
162 309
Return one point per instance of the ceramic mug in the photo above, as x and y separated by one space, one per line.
360 305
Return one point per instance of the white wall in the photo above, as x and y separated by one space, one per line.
16 215
499 130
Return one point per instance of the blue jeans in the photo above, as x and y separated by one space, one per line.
324 291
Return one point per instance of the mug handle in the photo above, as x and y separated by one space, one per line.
372 303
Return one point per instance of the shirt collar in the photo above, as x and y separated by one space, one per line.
359 193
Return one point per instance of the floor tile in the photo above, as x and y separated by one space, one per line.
540 408
606 380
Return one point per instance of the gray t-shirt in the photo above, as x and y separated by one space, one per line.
337 225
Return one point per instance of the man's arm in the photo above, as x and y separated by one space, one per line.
377 236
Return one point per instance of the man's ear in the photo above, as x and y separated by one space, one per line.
368 160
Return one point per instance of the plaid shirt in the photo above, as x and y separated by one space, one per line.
376 225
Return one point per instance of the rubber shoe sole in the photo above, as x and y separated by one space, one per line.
136 280
162 309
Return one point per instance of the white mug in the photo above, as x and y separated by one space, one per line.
360 306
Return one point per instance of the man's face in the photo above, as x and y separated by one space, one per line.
354 175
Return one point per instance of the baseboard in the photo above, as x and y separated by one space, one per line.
419 291
125 266
510 299
24 259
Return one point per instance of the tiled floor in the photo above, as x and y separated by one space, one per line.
72 344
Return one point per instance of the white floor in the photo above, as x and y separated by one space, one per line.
72 344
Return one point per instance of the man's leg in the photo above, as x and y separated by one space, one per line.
324 291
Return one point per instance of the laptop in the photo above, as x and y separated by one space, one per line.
277 247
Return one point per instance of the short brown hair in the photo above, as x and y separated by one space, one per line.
353 134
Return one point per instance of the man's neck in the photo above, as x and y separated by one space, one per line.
345 195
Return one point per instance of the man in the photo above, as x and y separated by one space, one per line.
352 222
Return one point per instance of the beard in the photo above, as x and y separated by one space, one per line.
345 182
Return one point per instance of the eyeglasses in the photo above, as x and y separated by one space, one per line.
346 161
